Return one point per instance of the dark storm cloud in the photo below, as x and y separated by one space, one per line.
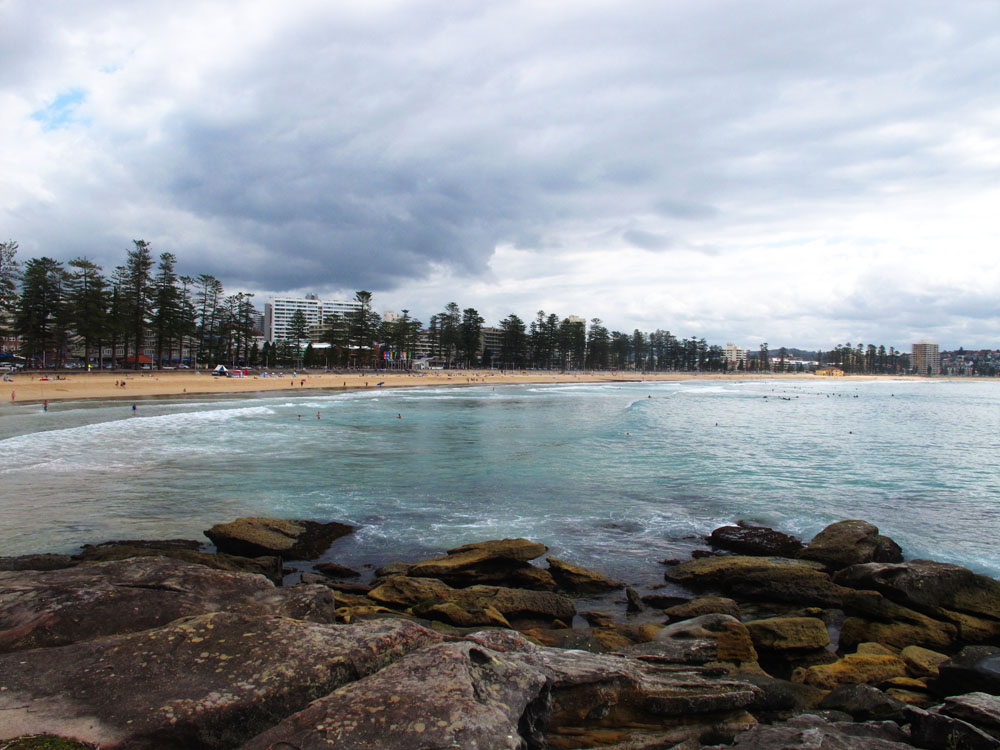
365 145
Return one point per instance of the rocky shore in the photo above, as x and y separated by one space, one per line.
838 643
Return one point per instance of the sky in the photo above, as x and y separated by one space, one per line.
799 173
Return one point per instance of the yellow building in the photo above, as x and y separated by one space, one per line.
834 372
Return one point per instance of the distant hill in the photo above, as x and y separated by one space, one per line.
793 353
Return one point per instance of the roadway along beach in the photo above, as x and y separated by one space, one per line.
34 387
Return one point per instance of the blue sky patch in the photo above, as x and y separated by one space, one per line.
61 111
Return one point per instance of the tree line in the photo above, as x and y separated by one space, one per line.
50 306
870 360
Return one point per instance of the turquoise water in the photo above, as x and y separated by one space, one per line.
616 476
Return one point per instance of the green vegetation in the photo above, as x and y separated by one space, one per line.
184 319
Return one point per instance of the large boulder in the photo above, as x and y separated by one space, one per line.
863 702
784 644
810 732
878 619
289 540
501 562
598 696
973 669
45 561
730 638
335 570
465 615
979 709
58 607
747 539
313 603
458 695
406 593
850 543
402 592
499 691
934 728
703 605
788 633
518 604
265 566
783 696
211 681
922 662
579 580
852 669
778 579
928 586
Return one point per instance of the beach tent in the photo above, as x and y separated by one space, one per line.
221 370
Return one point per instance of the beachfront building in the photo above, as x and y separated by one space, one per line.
925 359
278 312
734 356
491 340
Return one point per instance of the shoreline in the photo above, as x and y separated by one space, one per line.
31 389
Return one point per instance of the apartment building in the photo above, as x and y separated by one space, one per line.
734 355
278 313
925 358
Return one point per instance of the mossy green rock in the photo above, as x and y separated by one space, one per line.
927 585
875 618
499 561
852 669
703 605
289 540
788 633
764 578
850 543
577 579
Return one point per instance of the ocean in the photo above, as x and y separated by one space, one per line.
613 476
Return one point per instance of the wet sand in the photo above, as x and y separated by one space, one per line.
34 387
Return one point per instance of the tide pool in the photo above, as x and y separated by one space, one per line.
614 476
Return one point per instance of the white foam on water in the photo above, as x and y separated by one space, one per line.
129 441
698 390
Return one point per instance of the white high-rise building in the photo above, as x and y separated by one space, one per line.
278 312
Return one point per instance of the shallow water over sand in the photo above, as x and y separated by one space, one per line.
617 476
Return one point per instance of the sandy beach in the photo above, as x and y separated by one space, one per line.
35 387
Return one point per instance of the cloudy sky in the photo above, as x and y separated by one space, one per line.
802 173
